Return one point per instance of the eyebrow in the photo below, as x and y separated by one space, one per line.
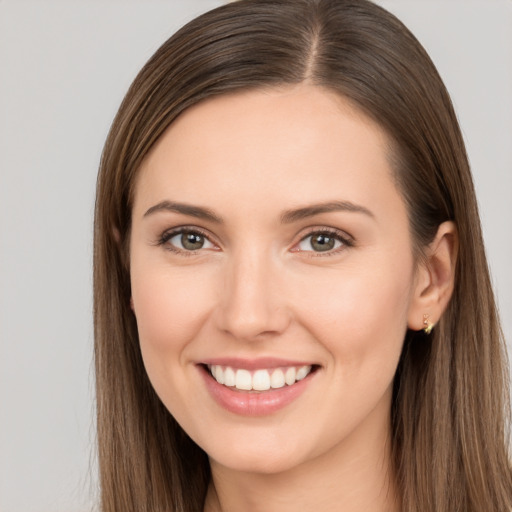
295 215
185 209
288 217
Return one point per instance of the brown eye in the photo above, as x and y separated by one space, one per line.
192 241
187 241
322 242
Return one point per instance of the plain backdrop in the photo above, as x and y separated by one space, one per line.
64 67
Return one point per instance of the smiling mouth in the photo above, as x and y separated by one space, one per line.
259 380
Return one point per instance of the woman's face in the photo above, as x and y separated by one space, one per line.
270 246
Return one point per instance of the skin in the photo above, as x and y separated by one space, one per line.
258 288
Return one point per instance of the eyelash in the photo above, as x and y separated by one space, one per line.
345 240
168 235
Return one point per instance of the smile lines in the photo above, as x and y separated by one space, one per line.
260 380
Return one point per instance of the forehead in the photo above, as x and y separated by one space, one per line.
254 145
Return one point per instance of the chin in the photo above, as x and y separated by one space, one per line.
256 464
258 456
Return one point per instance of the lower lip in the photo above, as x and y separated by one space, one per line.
254 403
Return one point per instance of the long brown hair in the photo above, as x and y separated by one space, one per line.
450 396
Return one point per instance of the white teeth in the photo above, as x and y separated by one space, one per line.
289 376
260 380
243 380
302 372
277 379
219 374
229 377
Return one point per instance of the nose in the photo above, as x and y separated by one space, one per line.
252 303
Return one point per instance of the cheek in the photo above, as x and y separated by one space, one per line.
361 316
361 320
170 305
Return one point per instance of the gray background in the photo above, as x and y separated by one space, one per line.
64 67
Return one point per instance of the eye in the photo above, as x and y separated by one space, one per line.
322 242
186 240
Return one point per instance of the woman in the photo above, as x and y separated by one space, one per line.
292 303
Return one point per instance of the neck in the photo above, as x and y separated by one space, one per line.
354 476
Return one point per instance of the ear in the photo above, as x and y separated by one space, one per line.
435 277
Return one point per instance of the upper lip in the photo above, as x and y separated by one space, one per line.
254 364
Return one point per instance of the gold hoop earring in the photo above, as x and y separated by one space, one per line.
428 324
